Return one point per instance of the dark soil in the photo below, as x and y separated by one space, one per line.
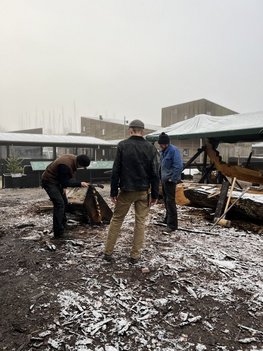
191 291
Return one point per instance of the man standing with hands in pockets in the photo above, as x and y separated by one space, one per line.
171 166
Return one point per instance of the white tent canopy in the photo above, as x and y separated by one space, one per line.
231 128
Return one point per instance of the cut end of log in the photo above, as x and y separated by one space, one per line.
224 223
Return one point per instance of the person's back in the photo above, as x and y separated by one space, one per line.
135 173
135 164
51 174
58 176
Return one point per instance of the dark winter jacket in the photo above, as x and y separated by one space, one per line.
135 167
171 164
61 172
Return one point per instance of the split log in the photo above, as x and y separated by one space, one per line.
199 197
90 203
250 206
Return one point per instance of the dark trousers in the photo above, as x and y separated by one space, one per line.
59 199
169 189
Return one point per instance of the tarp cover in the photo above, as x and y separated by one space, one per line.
229 129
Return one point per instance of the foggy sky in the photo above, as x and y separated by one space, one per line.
62 59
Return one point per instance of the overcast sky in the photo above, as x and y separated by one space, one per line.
62 59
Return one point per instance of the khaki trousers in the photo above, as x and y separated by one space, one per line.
124 202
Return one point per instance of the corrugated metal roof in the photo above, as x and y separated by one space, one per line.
52 140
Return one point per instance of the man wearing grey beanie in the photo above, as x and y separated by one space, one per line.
171 166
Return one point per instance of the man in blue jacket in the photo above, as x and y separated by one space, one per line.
171 166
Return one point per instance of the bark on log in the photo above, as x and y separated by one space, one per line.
246 208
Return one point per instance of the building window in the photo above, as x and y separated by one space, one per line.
84 129
185 152
103 131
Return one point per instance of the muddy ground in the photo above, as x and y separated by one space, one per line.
196 289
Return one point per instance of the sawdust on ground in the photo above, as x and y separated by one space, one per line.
193 290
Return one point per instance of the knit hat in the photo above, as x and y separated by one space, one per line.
163 139
83 160
136 123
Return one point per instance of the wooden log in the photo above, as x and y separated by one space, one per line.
199 198
249 207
